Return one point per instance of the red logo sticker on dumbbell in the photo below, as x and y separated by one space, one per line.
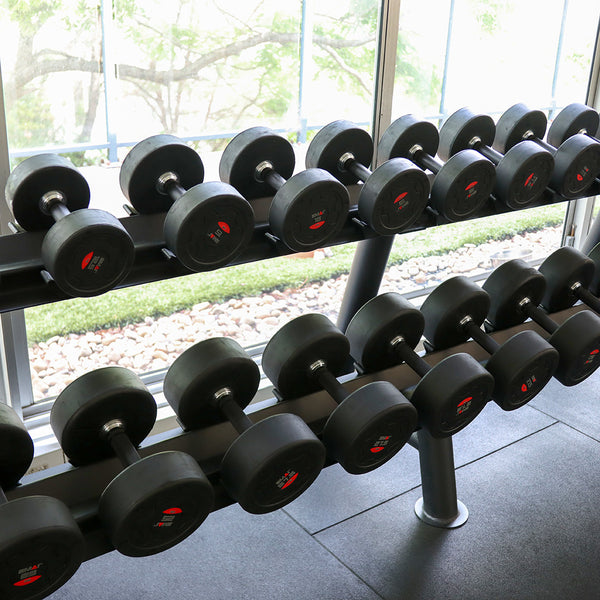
380 444
582 173
528 384
216 236
169 516
28 575
592 355
400 201
471 189
530 181
318 220
91 262
286 479
464 405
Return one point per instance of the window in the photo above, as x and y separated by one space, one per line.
90 79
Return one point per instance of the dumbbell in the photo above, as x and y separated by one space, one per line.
272 461
461 185
516 291
392 197
207 224
454 312
384 332
576 161
370 425
308 209
154 502
522 174
41 545
87 252
571 120
568 273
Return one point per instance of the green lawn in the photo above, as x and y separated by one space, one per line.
132 304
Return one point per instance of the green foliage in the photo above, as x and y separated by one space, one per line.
31 14
488 13
30 120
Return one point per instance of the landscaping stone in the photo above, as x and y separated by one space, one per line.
155 343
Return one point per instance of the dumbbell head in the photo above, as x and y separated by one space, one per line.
289 354
463 183
577 339
308 210
450 395
563 269
521 367
209 224
392 197
242 157
41 546
336 143
594 255
268 465
508 285
521 175
461 129
88 251
370 425
571 120
91 401
576 161
155 502
448 306
147 161
516 124
578 343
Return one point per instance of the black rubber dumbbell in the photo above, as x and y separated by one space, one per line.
516 290
86 251
522 174
521 366
271 462
393 196
385 331
308 210
207 224
461 186
370 425
568 273
154 502
576 161
576 118
41 545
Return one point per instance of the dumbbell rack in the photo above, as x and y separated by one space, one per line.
81 487
23 284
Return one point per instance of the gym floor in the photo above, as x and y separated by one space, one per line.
530 479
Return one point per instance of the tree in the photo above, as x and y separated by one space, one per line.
203 69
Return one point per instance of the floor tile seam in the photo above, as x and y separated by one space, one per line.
492 452
329 551
365 510
584 433
589 435
407 491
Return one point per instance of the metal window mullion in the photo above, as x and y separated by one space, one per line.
578 218
15 375
371 256
385 69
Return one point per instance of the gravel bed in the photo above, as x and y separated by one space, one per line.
155 343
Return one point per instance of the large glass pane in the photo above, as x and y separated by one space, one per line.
488 55
202 71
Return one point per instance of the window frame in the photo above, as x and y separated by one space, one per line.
15 375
